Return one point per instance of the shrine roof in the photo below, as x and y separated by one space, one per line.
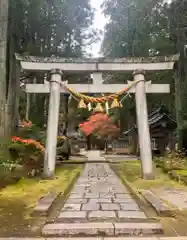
55 59
156 117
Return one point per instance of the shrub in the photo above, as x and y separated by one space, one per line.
172 161
175 160
29 131
63 147
27 152
179 175
10 173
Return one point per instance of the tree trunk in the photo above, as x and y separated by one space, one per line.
13 94
3 53
178 107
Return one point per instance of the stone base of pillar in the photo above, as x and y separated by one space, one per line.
148 177
49 176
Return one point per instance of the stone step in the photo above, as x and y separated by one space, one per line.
100 238
101 229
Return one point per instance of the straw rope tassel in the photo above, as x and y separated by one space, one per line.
98 108
89 106
115 104
107 107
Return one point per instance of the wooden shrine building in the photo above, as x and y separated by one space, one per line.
162 129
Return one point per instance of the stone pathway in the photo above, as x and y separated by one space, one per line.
100 200
99 195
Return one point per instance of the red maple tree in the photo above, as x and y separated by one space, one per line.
101 125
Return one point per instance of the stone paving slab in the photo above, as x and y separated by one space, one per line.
78 229
138 229
101 200
72 216
101 229
131 215
124 200
91 206
44 204
72 207
102 215
110 206
101 238
129 207
156 202
76 201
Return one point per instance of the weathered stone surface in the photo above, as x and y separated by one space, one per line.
123 196
92 206
172 238
155 201
44 204
76 201
72 215
71 207
102 215
129 207
131 214
124 200
138 229
119 190
176 197
78 229
107 195
110 206
91 195
101 200
76 195
135 238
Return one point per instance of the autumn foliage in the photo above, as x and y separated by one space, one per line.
101 125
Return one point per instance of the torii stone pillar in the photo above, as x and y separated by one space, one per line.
143 125
52 124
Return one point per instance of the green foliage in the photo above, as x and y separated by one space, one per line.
172 161
32 132
49 28
175 165
63 148
114 115
9 173
179 175
27 153
139 29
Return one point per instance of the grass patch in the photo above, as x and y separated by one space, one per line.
18 201
131 171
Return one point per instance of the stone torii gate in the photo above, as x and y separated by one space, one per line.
57 66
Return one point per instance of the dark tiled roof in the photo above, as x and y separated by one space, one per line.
155 117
